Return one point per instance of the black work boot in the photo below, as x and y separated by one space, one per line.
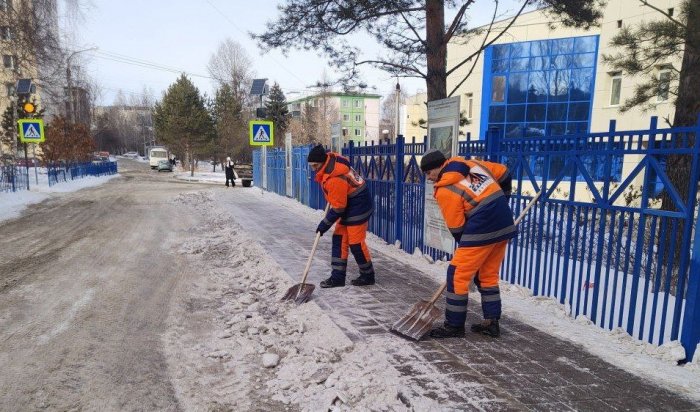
332 283
363 281
487 327
447 331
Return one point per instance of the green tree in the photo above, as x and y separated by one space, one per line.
397 26
650 48
276 108
183 123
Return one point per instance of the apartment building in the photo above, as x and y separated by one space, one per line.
358 113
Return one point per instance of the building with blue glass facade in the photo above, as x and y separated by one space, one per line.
544 79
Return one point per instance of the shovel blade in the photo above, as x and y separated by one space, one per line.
299 293
418 321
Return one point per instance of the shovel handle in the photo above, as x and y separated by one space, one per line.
313 251
531 203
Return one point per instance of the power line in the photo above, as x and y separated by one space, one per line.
120 58
282 66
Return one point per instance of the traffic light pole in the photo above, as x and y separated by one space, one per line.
26 163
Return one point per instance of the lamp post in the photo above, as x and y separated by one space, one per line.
71 107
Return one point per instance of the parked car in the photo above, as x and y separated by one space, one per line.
131 155
165 165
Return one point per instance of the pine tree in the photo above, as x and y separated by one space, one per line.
231 130
276 108
398 26
183 123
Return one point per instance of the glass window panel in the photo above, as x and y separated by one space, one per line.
584 60
585 44
499 66
581 85
499 128
556 129
515 113
519 50
498 89
538 86
556 112
519 65
534 130
497 114
615 91
517 88
539 63
536 112
576 127
540 48
562 46
501 51
564 61
514 130
664 85
559 85
579 111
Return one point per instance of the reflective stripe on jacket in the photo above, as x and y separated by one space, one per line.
345 190
472 202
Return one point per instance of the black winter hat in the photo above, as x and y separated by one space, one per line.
317 154
432 159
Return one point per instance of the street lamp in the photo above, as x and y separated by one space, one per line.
71 107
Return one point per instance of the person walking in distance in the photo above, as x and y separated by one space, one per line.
473 198
350 209
229 172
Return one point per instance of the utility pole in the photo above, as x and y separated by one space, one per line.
71 104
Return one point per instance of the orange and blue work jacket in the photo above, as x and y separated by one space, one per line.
345 190
473 202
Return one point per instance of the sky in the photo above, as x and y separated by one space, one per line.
182 35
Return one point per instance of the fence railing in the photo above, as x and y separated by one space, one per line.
13 178
63 172
610 237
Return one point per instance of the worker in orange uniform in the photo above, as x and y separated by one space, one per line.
351 207
473 198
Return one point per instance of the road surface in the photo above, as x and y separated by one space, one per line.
85 284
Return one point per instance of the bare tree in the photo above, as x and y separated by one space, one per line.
231 65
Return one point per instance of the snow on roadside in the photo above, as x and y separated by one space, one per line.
12 204
658 363
230 338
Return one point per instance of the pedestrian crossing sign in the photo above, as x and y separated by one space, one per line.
262 133
31 130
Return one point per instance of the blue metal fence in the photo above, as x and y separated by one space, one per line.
604 248
13 178
63 172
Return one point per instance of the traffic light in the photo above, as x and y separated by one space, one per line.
29 108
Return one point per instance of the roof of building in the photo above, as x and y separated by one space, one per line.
335 94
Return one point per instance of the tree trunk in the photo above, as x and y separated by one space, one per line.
436 52
686 114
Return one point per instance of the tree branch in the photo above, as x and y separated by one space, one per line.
394 65
668 16
420 39
458 18
484 43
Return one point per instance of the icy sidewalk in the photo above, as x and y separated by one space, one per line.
524 369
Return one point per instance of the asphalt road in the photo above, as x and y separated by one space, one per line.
86 279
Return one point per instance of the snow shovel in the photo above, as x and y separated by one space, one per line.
419 320
301 292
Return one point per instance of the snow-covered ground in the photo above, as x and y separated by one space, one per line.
657 363
263 354
13 203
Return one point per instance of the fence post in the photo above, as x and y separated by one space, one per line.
398 188
690 335
351 157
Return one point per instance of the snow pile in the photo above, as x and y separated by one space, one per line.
259 352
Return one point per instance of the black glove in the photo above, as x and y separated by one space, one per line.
322 227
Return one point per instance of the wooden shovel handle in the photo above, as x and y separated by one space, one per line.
313 250
532 202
